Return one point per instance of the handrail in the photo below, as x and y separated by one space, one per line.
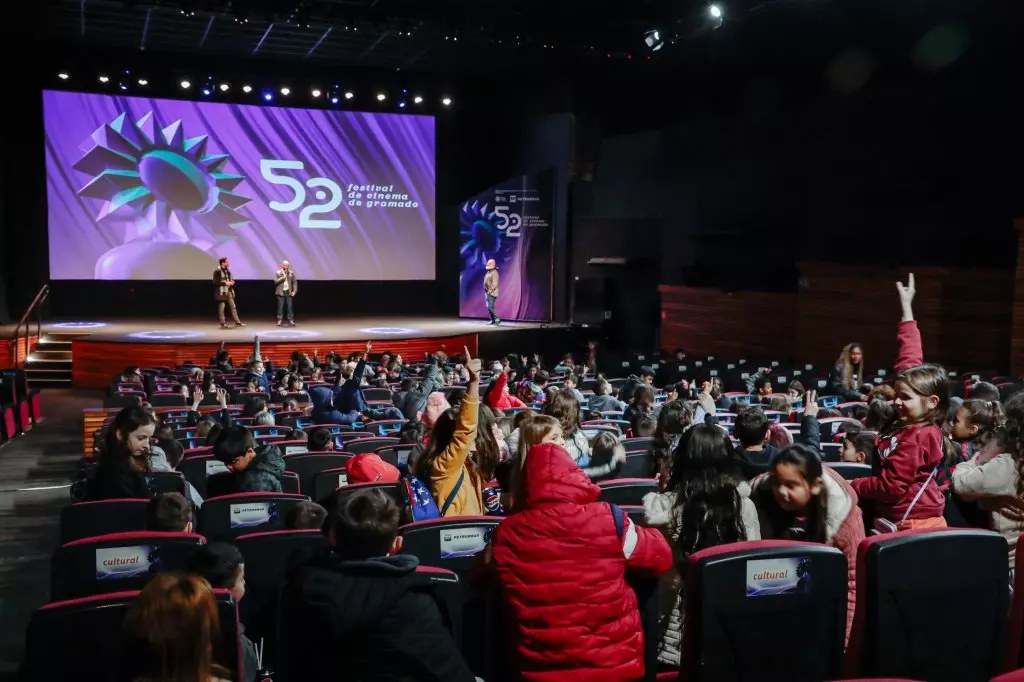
41 296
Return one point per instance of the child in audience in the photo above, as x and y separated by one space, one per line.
124 457
558 524
498 396
644 402
752 430
643 425
320 440
760 384
983 390
975 422
858 447
256 468
305 515
608 454
454 480
795 391
912 447
171 633
704 504
778 403
799 499
223 567
368 467
673 420
566 409
169 513
603 399
995 476
361 610
880 413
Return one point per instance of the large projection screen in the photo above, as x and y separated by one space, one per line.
159 189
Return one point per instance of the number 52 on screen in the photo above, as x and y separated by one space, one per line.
271 171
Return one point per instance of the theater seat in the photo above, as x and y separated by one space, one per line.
268 556
359 446
308 465
229 516
638 465
197 468
327 481
627 491
748 602
166 482
290 483
89 519
78 639
385 427
912 586
850 470
1014 653
118 562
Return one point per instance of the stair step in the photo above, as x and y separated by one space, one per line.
50 355
47 372
49 383
54 345
36 364
62 337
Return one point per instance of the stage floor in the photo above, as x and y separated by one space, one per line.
201 331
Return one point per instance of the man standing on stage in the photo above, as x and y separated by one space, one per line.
285 287
491 290
224 293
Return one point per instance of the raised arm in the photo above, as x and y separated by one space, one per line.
454 456
910 353
494 392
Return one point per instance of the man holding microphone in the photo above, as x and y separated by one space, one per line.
285 286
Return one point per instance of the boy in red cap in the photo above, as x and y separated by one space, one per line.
370 468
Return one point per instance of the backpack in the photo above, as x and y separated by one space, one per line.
421 502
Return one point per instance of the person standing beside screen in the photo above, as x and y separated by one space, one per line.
224 293
491 290
285 287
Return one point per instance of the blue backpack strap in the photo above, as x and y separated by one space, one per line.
455 491
620 519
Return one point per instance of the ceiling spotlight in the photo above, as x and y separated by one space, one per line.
286 91
185 85
143 82
207 91
381 97
224 87
715 11
417 100
104 79
63 76
268 95
349 94
316 92
401 105
654 40
447 101
247 89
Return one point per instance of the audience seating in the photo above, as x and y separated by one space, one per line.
117 562
850 470
292 447
88 519
166 482
638 444
364 445
290 483
268 556
78 639
743 625
931 604
627 491
198 468
308 465
326 481
638 465
385 427
1014 655
227 517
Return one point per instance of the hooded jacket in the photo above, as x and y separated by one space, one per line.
411 403
264 473
324 412
496 397
370 619
562 567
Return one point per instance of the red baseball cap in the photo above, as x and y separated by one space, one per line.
370 468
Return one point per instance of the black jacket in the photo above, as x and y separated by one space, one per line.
375 619
113 480
755 462
411 403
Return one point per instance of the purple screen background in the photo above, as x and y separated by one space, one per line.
373 243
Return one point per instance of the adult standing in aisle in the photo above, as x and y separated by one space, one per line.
286 284
224 293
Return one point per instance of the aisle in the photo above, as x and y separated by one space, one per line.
30 508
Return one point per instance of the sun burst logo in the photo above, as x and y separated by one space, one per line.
161 185
480 234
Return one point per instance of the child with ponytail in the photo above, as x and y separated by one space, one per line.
912 446
994 476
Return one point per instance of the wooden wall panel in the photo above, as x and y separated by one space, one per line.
97 362
7 353
744 324
963 314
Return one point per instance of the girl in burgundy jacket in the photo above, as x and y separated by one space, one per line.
798 499
561 561
902 488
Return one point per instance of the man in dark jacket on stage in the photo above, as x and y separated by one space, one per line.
361 611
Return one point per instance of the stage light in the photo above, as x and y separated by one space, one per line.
104 79
417 100
349 94
286 91
401 105
334 94
447 101
653 40
316 93
268 95
63 76
381 97
185 85
715 11
224 87
143 82
207 91
247 89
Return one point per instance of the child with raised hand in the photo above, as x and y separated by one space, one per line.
912 446
994 477
799 499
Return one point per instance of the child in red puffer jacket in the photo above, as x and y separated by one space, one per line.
567 628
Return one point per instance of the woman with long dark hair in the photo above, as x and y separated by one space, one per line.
124 456
673 420
847 375
704 504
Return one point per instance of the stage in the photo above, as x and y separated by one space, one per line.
101 348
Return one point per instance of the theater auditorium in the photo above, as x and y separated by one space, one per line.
384 340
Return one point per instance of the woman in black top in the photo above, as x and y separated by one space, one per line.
124 457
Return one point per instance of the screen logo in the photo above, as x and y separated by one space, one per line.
113 563
778 576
